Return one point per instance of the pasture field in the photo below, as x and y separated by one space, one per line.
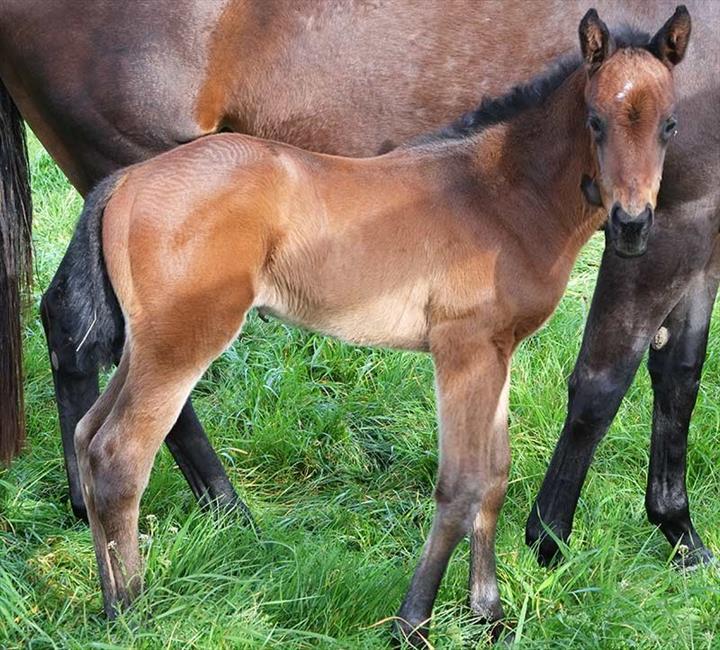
334 450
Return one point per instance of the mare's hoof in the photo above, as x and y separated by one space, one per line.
230 505
689 560
547 552
407 635
241 509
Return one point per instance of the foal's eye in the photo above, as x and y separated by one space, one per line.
669 128
597 128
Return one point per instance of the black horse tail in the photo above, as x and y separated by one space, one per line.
95 327
15 271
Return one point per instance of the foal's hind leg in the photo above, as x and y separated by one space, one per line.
115 467
76 390
85 431
474 461
163 365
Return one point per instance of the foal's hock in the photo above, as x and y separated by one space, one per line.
459 244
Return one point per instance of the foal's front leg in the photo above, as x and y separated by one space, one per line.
471 374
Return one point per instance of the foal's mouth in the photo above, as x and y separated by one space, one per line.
630 233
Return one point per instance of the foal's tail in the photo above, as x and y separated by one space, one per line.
97 325
15 271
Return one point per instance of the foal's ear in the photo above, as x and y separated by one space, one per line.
670 43
595 41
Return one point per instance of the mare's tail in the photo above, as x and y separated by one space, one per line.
15 271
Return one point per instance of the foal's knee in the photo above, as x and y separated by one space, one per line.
461 497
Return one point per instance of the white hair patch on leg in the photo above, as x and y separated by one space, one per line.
662 336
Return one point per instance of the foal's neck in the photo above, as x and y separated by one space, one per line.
544 153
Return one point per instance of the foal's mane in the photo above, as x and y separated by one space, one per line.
527 95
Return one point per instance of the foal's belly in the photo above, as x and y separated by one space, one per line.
396 318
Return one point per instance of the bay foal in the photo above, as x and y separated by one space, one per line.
459 244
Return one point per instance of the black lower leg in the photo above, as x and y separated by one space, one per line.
675 365
76 389
75 396
594 398
200 465
616 336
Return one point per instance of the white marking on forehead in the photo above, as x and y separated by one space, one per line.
626 89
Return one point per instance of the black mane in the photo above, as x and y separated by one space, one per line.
531 94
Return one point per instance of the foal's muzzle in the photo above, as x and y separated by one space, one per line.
629 233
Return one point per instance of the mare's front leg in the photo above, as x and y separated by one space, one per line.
471 376
675 365
632 299
75 376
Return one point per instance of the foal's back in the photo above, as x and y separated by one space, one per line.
370 251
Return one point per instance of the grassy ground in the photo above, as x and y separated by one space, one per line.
334 449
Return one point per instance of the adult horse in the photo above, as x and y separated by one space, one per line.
109 84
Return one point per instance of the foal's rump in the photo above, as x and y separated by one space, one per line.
152 234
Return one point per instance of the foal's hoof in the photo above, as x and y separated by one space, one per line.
407 635
689 560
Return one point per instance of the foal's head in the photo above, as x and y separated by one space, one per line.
630 101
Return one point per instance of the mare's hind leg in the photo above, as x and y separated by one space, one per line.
196 458
675 366
472 477
76 387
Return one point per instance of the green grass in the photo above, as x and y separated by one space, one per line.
334 449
